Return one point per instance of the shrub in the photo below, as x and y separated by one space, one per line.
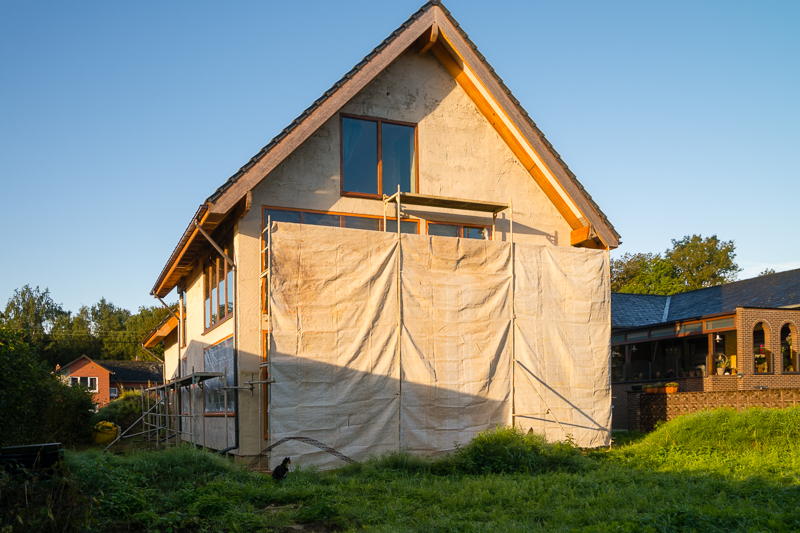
511 450
123 411
35 405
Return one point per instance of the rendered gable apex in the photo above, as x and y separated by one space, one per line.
431 30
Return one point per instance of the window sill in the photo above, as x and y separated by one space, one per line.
220 414
217 324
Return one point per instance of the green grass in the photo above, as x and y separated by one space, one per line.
716 471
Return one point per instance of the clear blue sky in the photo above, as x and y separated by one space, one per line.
117 119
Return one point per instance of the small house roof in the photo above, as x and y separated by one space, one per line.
136 371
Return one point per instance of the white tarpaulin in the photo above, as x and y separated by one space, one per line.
340 378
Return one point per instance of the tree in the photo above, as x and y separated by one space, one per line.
767 272
32 312
35 405
692 263
702 263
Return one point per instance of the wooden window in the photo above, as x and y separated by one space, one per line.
339 220
377 155
462 231
218 286
182 303
219 358
113 392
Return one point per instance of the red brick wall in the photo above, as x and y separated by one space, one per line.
86 368
647 409
774 320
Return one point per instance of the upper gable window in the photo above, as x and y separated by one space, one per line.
377 156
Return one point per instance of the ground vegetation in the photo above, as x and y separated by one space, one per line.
718 471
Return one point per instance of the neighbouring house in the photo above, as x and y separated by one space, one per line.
409 262
107 379
736 336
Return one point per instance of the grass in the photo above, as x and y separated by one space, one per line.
711 471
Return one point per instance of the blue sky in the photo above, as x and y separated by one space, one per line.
118 119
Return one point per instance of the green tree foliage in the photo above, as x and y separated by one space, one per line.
766 272
35 405
692 263
102 331
702 263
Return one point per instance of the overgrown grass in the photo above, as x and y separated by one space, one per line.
718 471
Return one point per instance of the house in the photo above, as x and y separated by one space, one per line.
107 379
746 328
409 262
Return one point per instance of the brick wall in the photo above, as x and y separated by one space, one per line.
85 368
645 410
746 319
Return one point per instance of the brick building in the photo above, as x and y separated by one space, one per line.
107 379
734 337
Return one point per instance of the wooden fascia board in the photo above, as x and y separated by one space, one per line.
322 114
490 113
465 53
160 333
177 260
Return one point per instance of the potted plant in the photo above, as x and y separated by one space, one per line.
671 387
722 363
650 389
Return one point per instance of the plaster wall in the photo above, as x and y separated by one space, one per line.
460 155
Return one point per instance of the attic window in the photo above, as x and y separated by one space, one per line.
377 156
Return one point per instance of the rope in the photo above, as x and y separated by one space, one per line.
322 446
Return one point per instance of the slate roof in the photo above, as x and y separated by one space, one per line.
632 310
135 371
336 86
775 290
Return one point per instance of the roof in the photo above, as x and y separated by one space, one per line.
772 291
64 368
136 371
160 332
431 16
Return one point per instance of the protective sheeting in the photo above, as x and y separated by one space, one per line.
562 343
335 358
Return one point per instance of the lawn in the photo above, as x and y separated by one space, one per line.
712 471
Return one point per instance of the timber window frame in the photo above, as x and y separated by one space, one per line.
460 230
218 287
348 147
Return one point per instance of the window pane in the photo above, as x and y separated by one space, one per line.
477 233
617 338
636 335
208 312
443 230
222 291
219 358
213 288
691 328
405 227
230 291
360 156
397 158
362 223
721 323
279 215
662 332
320 219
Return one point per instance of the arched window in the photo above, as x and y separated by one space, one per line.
789 348
761 353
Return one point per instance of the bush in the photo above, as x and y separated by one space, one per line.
123 411
35 405
511 450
